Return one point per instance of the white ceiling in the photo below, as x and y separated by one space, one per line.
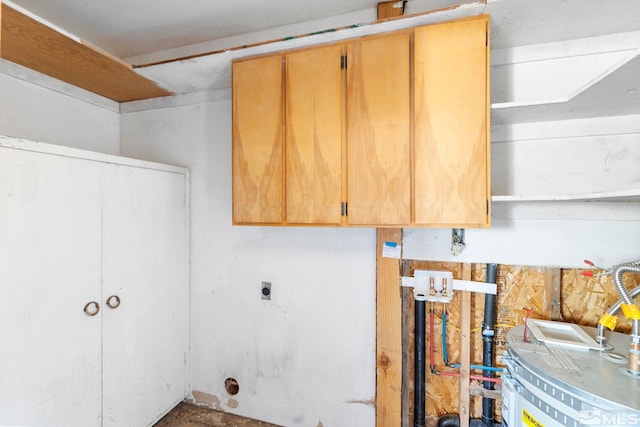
144 32
133 27
128 28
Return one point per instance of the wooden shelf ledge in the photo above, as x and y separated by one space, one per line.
35 45
620 195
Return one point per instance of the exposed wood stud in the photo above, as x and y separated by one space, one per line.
552 294
389 333
465 349
407 300
477 390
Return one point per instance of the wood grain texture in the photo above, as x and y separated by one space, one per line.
352 139
451 124
465 350
378 131
31 44
585 299
314 136
386 9
552 294
407 360
258 163
407 342
389 333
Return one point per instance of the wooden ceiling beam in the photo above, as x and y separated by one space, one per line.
32 44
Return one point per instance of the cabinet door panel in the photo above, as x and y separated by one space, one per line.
49 270
145 339
314 136
258 141
378 131
451 147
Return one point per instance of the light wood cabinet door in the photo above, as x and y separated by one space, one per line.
313 124
378 131
451 124
317 145
258 162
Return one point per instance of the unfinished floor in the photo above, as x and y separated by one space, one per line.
188 415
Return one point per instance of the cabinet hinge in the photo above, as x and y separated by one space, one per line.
486 38
487 207
343 62
343 208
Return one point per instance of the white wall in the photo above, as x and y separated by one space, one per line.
305 358
40 108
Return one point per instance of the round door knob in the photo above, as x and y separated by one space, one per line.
113 301
91 308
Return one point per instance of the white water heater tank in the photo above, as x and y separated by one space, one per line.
549 383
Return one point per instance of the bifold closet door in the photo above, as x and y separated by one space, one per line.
145 294
49 276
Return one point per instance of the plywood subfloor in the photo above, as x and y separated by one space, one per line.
188 415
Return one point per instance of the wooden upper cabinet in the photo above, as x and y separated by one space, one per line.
452 178
348 134
378 131
258 145
313 124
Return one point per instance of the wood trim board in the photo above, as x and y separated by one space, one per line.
388 332
32 44
465 350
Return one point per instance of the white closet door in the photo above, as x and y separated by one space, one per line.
145 264
49 270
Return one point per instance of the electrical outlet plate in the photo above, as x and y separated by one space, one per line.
433 285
